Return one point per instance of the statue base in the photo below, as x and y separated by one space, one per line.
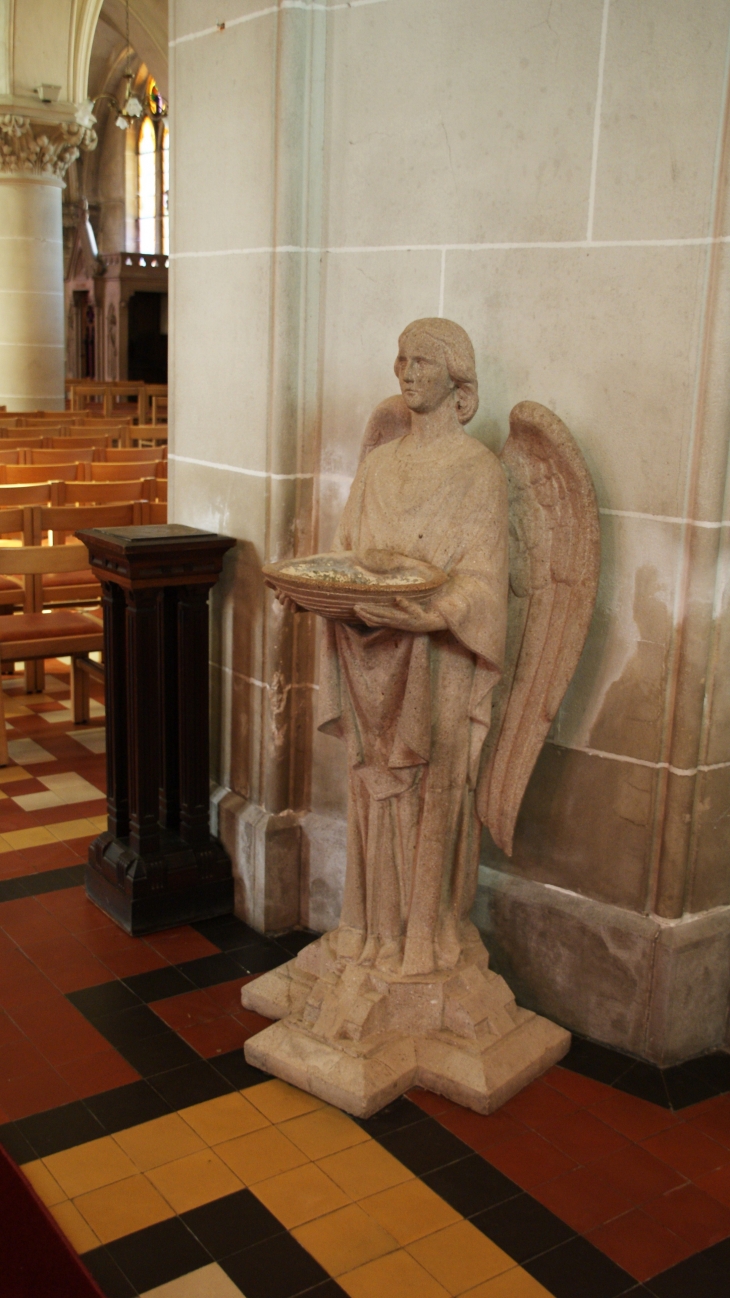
358 1037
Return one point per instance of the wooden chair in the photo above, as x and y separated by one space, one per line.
81 454
105 493
15 443
146 434
9 455
13 523
36 636
158 409
162 490
57 522
29 493
134 469
94 441
156 512
10 473
133 454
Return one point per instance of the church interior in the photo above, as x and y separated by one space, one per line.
368 939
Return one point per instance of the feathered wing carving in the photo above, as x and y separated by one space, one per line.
554 566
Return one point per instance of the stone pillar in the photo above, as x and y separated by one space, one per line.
34 157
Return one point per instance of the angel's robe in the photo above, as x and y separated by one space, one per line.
414 710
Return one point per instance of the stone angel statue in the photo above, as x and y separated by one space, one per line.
443 704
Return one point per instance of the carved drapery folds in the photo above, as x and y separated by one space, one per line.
39 149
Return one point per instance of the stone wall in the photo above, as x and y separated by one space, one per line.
554 177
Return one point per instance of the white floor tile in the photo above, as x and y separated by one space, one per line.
27 751
70 787
208 1282
94 740
37 801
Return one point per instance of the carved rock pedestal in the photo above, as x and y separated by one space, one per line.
358 1037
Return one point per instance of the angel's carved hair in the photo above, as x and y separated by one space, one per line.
459 357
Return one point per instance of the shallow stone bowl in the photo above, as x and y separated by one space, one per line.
333 584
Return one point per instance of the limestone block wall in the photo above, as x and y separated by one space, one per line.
554 177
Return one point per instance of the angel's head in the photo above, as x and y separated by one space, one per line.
435 363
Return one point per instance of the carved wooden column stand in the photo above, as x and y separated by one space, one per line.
157 864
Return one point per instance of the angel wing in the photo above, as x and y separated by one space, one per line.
554 566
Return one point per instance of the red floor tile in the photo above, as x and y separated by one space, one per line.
186 1010
34 1093
216 1037
9 1032
430 1102
636 1173
13 865
73 811
67 963
256 1023
24 986
123 964
633 1118
18 1059
582 1137
53 856
692 1214
640 1245
481 1132
712 1118
227 996
716 1184
581 1089
59 1031
528 1159
180 944
98 1072
72 908
687 1150
538 1104
583 1199
25 921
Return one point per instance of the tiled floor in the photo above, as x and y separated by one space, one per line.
178 1171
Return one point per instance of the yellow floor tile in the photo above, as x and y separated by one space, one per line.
120 1209
300 1195
325 1131
197 1179
77 1231
460 1257
99 822
5 847
223 1118
150 1144
410 1211
45 1185
279 1101
88 1167
512 1284
260 1155
21 838
396 1276
9 774
364 1170
345 1239
68 829
2 795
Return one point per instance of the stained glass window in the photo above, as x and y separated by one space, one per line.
165 189
147 186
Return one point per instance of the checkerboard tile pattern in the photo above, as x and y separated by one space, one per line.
176 1170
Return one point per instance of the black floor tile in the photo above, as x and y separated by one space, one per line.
158 1254
697 1080
471 1185
706 1275
12 889
228 1225
258 958
210 970
234 1068
599 1062
296 941
107 1274
276 1268
158 1054
15 1144
191 1084
401 1113
646 1082
126 1106
330 1289
425 1146
158 984
69 876
522 1227
56 1129
578 1270
130 1027
104 999
226 932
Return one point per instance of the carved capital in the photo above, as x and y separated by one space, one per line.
30 148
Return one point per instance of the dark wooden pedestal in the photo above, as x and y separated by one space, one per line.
157 864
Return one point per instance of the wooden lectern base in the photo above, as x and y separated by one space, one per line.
177 885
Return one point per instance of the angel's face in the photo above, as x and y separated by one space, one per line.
422 373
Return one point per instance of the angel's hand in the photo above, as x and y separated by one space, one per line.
289 605
402 614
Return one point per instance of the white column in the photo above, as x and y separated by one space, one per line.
34 159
